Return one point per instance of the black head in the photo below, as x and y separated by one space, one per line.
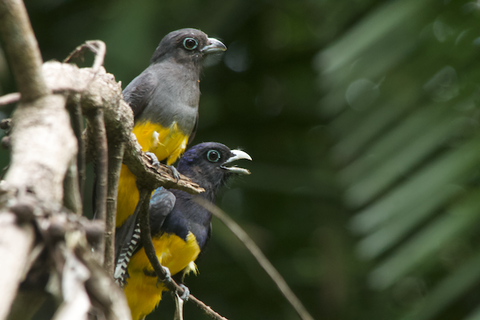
208 164
186 46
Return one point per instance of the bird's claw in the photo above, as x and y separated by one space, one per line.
155 161
179 300
186 292
168 277
175 173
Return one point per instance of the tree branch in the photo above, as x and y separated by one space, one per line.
42 147
104 293
72 198
22 49
97 47
97 124
77 125
104 92
10 98
76 278
16 243
99 90
115 157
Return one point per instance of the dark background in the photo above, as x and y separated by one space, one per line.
362 121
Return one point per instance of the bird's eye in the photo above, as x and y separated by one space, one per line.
213 156
190 43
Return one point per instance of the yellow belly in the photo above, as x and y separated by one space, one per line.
165 143
141 291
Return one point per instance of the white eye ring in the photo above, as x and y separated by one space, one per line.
213 156
190 43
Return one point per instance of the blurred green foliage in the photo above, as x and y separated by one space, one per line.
362 120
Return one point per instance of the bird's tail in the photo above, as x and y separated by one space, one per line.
121 269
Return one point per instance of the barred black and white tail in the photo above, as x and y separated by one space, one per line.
124 258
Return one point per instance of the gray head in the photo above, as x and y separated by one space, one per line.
186 46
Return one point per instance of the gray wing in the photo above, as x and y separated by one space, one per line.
138 92
194 131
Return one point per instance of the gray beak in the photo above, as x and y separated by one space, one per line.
213 46
237 155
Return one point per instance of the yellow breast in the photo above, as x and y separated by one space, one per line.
173 252
167 143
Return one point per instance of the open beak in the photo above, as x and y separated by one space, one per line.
213 46
237 155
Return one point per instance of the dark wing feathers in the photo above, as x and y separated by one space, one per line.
128 236
161 204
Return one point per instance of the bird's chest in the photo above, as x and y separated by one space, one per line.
165 142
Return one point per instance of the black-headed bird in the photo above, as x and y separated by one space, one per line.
180 228
164 99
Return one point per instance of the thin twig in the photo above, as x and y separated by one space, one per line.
152 257
259 256
100 49
101 163
97 47
115 157
71 195
10 98
114 164
15 97
78 127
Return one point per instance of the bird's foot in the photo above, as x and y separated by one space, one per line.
186 292
179 300
174 172
168 277
155 161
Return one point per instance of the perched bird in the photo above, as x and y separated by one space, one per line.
164 99
180 228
